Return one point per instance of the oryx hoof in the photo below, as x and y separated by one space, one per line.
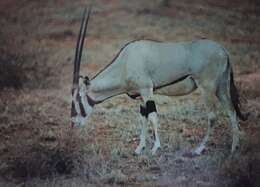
235 148
190 154
155 148
235 144
199 150
139 150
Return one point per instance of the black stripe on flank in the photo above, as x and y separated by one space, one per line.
173 82
135 96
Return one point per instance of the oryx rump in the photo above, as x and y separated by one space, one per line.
145 67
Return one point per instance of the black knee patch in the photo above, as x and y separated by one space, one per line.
143 111
150 107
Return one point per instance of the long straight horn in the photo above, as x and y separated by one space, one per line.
79 47
85 26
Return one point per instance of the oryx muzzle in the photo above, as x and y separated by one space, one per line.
77 108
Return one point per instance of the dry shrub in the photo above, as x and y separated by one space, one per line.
34 141
242 170
11 74
24 71
42 163
243 167
47 158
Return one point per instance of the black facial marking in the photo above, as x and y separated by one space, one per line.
73 110
143 111
150 107
82 111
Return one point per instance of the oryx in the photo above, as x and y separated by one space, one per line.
144 67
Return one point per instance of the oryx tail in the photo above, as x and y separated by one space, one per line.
235 96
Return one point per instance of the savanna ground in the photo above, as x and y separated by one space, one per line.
38 146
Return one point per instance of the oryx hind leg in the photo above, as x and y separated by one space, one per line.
223 94
151 113
208 92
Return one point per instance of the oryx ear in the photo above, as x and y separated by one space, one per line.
86 81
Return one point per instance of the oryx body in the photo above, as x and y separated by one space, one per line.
153 65
144 67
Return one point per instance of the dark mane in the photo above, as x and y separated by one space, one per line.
118 53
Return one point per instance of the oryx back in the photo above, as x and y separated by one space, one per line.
157 64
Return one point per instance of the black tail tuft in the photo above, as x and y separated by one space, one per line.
235 98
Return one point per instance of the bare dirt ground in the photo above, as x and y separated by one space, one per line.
37 145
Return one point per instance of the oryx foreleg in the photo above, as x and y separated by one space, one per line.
147 96
143 116
152 116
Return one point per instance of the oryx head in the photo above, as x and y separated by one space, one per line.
81 105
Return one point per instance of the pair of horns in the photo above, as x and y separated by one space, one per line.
79 47
77 58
